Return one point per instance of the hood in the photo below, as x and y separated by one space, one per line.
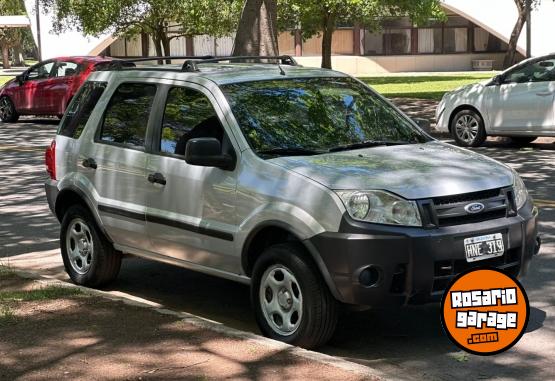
472 87
413 171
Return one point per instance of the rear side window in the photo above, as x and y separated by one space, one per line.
80 109
126 117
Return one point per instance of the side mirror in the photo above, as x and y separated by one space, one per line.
20 79
496 81
423 123
207 152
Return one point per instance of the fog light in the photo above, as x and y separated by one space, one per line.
369 277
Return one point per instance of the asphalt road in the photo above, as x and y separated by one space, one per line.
402 344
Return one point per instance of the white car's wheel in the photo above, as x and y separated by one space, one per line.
467 128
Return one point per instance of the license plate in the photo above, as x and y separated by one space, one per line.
484 247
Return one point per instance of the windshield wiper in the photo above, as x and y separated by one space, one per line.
289 152
366 144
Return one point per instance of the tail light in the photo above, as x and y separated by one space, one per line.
50 160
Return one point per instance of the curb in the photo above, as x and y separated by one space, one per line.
201 322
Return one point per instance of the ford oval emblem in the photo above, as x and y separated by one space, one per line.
474 208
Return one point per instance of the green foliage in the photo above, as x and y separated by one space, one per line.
12 36
129 17
311 15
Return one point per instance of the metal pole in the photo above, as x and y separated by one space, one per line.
528 28
39 44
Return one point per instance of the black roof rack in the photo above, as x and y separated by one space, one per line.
126 63
192 64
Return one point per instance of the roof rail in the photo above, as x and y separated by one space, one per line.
191 65
122 63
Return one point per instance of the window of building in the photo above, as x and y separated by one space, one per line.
127 114
430 40
189 114
455 40
80 109
486 42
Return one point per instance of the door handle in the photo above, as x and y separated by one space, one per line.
90 163
544 94
157 178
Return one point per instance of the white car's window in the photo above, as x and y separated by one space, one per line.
540 71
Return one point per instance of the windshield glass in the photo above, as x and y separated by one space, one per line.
316 115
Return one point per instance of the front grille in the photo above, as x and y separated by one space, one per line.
473 218
450 210
467 197
445 271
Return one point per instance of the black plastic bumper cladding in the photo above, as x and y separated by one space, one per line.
416 264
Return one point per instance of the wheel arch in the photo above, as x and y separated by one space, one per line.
461 108
75 196
275 232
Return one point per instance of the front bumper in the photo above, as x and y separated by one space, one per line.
415 265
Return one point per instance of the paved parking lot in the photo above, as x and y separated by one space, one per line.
402 344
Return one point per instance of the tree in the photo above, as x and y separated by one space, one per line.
153 17
323 16
510 56
11 37
257 34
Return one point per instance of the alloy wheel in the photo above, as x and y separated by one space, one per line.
80 246
6 109
467 128
281 300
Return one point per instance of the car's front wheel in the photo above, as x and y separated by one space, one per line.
89 258
292 302
467 128
8 113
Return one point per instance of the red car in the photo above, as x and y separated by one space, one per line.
47 87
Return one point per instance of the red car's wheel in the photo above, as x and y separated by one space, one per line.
8 114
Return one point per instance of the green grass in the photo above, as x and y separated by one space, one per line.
4 79
46 293
422 87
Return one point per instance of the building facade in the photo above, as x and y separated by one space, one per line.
474 36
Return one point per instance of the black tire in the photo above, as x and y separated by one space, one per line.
8 113
522 140
103 262
317 322
467 128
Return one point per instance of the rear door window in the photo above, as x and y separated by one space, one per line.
80 109
126 117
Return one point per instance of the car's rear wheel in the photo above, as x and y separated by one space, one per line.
8 114
292 302
522 140
89 258
467 128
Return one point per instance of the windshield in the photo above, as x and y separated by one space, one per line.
317 115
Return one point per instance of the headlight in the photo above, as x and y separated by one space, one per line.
380 207
521 194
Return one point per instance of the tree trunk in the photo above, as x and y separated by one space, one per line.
6 57
18 58
166 45
327 38
257 33
158 46
517 30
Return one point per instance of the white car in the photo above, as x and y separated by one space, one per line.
518 103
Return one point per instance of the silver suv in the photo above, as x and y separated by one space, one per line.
303 183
